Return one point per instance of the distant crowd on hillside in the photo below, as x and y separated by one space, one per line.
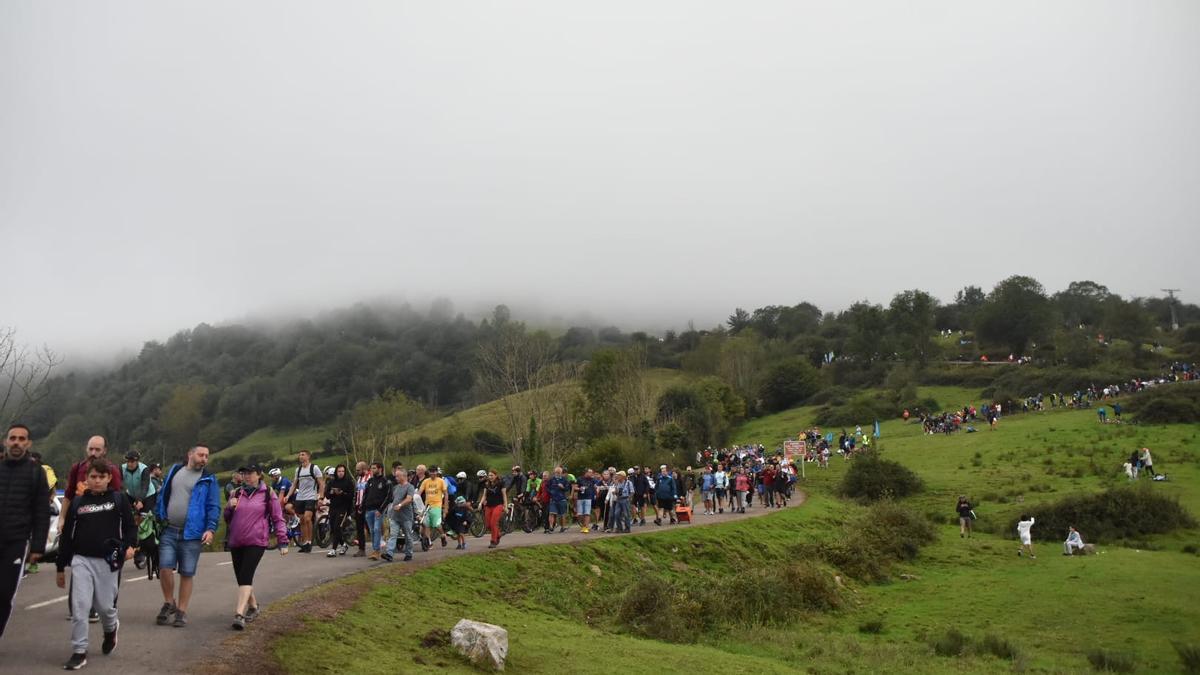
1094 396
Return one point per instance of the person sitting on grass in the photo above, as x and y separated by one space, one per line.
1074 542
1024 531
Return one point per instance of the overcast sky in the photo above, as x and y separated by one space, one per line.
167 163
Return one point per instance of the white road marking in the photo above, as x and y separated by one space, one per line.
46 603
227 562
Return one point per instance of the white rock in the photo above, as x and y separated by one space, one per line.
483 643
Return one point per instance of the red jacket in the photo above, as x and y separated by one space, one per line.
77 479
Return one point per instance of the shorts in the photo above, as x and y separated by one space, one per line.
964 521
304 505
668 504
583 507
639 501
1027 540
433 516
176 553
720 493
706 495
558 507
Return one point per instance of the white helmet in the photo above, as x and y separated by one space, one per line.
329 471
481 474
275 472
461 474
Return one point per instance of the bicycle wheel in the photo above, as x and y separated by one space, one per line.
478 527
529 519
506 523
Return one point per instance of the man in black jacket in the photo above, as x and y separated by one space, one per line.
24 514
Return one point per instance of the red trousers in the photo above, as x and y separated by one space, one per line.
491 516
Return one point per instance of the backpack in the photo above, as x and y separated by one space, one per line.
312 472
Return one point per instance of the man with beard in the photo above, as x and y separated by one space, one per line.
24 515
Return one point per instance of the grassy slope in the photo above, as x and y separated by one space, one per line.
282 444
1054 609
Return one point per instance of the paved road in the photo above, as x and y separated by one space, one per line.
37 639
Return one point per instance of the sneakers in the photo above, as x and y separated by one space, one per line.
93 616
251 613
110 642
585 530
658 521
164 614
306 548
239 622
360 553
562 528
342 549
407 557
31 568
180 618
443 542
546 531
76 662
493 545
332 553
387 556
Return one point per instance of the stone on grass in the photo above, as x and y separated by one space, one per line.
483 643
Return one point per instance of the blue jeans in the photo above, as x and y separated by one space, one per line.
401 525
176 552
620 515
375 525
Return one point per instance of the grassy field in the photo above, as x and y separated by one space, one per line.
1052 611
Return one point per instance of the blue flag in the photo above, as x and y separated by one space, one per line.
876 428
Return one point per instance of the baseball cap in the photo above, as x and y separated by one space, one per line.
252 467
132 455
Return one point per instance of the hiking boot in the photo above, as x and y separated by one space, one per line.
180 618
407 557
76 662
251 613
374 555
387 557
643 522
239 622
658 521
443 542
164 614
110 642
93 616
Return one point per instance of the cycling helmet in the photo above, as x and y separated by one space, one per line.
329 471
461 474
481 474
275 472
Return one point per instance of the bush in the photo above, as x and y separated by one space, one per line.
656 608
1118 514
464 460
999 647
1108 661
885 534
619 451
1174 404
789 383
872 627
951 643
871 477
1189 657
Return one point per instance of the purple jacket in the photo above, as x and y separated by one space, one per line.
248 525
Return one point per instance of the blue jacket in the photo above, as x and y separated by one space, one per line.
665 487
204 508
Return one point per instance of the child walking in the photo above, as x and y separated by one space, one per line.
98 537
1023 531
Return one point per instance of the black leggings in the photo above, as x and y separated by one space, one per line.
13 569
337 526
245 561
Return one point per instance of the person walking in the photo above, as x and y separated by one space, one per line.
1025 533
307 490
252 513
190 505
24 515
664 496
966 516
1147 463
559 487
98 537
621 495
493 501
375 493
399 507
340 490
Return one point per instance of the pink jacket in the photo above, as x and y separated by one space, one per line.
248 522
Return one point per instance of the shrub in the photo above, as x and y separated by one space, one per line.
998 647
1189 657
789 383
885 534
1118 514
655 608
463 460
1175 404
873 626
951 643
1107 661
618 451
870 477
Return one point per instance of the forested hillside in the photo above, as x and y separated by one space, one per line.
373 371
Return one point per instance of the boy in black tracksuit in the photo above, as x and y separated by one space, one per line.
98 536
